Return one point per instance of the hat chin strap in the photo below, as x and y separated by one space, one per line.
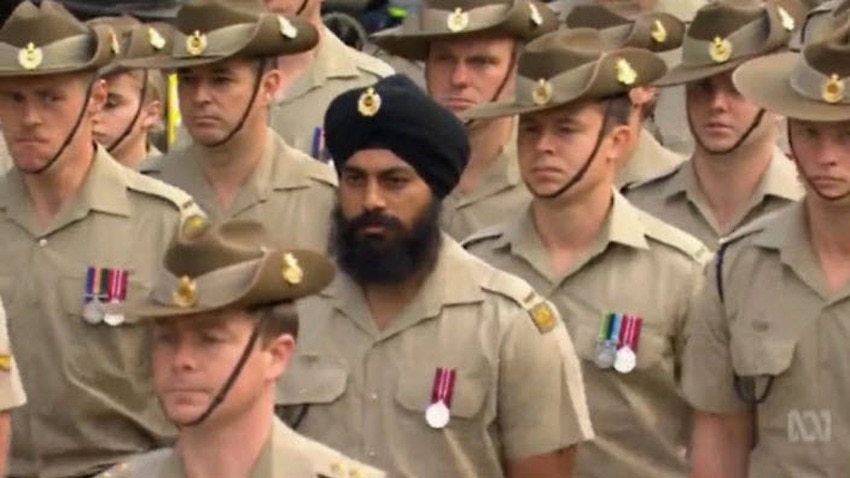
471 123
71 134
805 177
301 8
756 122
587 163
231 379
254 93
112 147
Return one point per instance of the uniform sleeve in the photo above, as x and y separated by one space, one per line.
11 391
542 403
707 373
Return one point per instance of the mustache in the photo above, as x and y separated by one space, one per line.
374 218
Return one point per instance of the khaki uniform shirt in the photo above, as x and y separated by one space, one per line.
90 400
299 117
289 192
151 163
500 195
777 323
5 159
649 161
518 390
677 198
638 265
11 391
285 455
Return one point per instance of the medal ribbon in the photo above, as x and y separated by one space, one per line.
616 328
444 386
117 285
90 281
605 327
631 331
103 284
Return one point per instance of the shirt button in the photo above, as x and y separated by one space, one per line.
42 242
371 454
373 396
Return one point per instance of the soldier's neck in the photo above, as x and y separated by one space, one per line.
829 230
729 181
227 167
387 301
486 141
133 153
229 448
53 188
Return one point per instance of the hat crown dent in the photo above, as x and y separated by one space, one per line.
560 52
831 55
724 18
198 254
209 15
41 26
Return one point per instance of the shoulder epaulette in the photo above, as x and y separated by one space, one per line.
661 177
372 65
676 238
486 234
539 310
153 187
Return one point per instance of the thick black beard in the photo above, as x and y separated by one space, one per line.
398 255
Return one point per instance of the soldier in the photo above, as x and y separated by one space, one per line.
135 98
420 359
590 251
78 230
237 167
766 362
737 173
224 328
659 32
311 80
11 391
470 50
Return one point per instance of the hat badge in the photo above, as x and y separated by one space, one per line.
625 73
534 15
658 32
458 20
290 270
30 56
832 90
720 50
155 39
186 293
196 43
542 92
787 19
287 29
114 43
369 102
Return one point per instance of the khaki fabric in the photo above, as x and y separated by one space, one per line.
289 193
649 161
285 455
150 164
90 400
777 320
518 390
5 158
11 390
641 419
677 198
299 117
499 195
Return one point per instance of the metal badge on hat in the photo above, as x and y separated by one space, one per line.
534 14
720 50
832 90
186 293
458 20
542 92
625 73
658 32
155 39
30 56
287 29
291 271
196 43
113 43
369 102
787 19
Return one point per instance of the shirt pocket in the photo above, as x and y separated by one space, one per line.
101 351
415 389
312 380
653 349
757 355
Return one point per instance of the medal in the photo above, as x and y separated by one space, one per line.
117 295
609 339
626 359
438 413
93 311
93 308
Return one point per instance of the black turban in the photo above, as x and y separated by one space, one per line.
395 114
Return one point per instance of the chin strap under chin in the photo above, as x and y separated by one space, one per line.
737 144
510 73
231 379
71 134
112 147
587 163
257 82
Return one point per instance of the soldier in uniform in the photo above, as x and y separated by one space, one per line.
470 49
135 97
224 328
314 78
421 359
78 230
589 251
737 173
766 362
237 167
11 391
659 32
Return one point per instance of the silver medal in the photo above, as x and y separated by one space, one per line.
437 415
93 311
606 355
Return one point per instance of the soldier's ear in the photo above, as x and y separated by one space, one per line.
271 82
279 351
97 97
